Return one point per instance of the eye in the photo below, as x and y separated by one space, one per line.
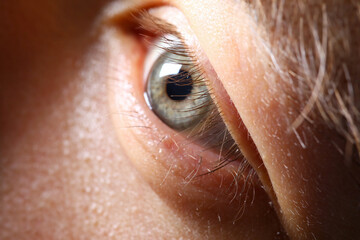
175 90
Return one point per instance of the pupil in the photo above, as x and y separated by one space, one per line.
179 86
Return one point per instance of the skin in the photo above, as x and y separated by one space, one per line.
72 168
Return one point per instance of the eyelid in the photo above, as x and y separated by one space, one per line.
151 27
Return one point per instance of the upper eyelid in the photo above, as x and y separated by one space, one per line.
150 27
146 27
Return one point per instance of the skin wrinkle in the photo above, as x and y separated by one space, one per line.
86 187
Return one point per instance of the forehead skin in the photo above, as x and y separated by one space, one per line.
62 172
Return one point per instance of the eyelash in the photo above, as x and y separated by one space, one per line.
150 28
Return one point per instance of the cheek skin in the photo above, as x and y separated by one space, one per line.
309 182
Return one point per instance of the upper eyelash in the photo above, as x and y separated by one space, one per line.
151 27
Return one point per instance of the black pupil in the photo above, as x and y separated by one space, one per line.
179 86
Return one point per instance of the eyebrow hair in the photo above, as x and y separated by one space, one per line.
314 47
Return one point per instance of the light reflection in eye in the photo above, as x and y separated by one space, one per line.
169 69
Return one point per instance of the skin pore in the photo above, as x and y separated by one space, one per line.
73 166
